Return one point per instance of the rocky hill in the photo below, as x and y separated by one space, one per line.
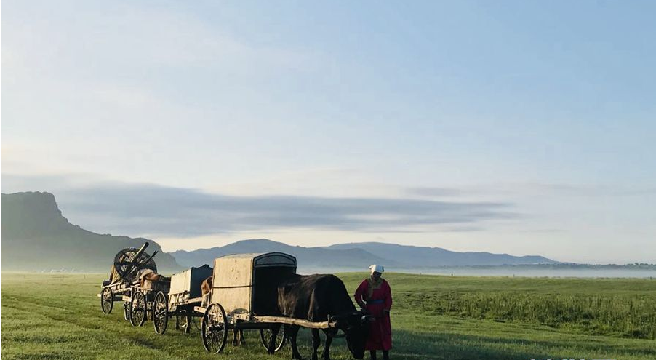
37 237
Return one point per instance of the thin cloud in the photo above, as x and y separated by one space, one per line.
589 190
145 209
433 191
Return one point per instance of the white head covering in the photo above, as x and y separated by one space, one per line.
376 268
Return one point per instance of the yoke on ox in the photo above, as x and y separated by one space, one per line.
263 291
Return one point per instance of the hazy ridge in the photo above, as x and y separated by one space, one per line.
37 237
358 256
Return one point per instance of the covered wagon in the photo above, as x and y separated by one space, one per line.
183 296
244 296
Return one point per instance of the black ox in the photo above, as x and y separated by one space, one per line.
321 297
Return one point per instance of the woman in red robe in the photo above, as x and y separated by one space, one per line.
375 296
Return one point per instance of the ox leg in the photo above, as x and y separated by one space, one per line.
187 328
325 355
237 335
271 347
235 331
292 331
316 341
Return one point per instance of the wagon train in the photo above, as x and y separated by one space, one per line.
245 291
135 281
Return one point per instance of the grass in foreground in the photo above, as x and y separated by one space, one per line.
617 307
59 317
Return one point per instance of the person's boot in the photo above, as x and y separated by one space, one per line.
385 355
373 354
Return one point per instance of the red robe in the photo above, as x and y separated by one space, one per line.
380 333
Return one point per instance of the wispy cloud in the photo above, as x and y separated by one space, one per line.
433 191
145 209
128 37
584 190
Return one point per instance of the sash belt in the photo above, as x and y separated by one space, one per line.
375 302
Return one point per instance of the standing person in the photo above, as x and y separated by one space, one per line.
375 296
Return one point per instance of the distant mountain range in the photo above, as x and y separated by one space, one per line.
359 255
415 256
316 257
37 237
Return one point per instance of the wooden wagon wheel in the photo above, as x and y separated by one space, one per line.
160 313
138 313
128 261
107 300
266 334
213 328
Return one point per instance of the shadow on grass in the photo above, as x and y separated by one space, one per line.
417 345
421 345
409 345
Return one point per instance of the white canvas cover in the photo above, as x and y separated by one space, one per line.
188 281
180 282
233 278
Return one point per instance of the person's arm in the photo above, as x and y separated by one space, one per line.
388 298
358 294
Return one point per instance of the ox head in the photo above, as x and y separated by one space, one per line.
356 329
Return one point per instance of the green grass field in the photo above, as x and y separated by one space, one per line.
434 317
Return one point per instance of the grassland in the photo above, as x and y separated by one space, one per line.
434 317
618 307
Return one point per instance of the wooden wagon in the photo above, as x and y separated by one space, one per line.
243 296
183 296
125 285
141 300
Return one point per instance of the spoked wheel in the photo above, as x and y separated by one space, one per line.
127 310
213 328
266 334
138 313
129 260
106 300
160 313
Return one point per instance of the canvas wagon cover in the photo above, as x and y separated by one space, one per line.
189 281
233 278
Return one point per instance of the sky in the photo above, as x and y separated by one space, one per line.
517 127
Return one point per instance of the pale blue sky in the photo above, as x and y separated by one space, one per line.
518 127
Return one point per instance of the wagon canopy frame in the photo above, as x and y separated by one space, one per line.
235 284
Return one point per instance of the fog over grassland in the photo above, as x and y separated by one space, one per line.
37 237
